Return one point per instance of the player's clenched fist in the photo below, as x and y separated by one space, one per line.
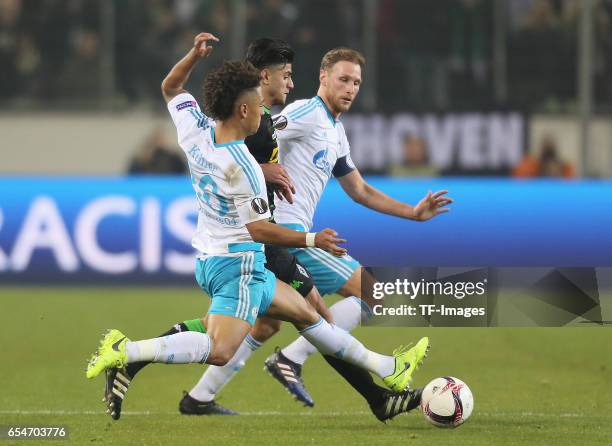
328 240
200 45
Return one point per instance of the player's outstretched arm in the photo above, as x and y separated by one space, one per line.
263 231
359 190
173 84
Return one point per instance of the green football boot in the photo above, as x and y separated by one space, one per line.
111 353
407 361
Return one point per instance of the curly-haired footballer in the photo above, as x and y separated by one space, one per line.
232 228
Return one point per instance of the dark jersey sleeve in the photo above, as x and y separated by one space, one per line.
262 144
264 149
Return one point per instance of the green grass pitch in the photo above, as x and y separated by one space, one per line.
531 386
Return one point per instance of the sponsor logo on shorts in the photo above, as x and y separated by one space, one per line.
301 269
254 311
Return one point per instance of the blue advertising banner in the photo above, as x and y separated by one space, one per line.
138 230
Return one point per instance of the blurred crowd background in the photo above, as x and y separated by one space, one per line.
441 57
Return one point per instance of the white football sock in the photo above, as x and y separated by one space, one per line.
347 314
180 348
215 377
331 340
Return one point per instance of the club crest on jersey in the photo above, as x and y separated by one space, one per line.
186 104
322 163
259 205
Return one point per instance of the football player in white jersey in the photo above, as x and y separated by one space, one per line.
313 146
232 226
273 57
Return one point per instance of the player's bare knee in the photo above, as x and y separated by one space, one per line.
264 329
204 321
220 353
307 317
219 357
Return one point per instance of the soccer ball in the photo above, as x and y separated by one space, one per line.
447 402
